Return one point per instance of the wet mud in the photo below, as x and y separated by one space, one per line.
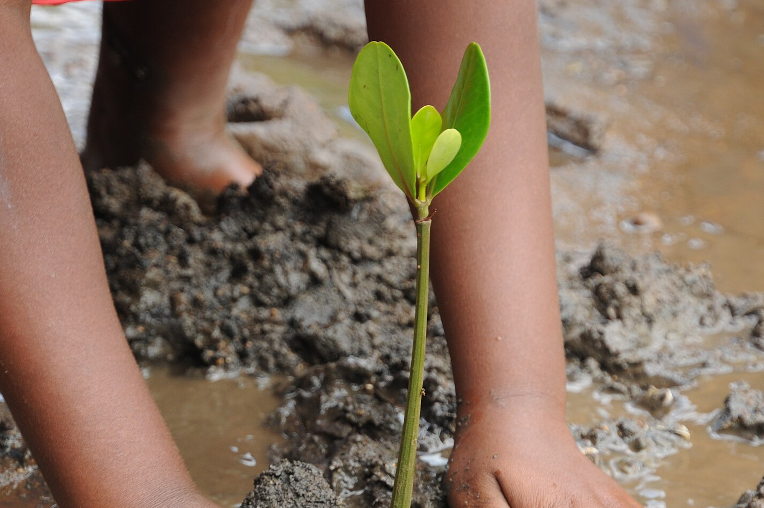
290 484
753 498
742 414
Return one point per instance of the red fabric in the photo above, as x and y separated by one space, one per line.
58 2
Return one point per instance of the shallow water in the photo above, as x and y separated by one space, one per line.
713 471
710 473
218 428
696 118
715 192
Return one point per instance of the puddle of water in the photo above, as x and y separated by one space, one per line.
324 75
704 109
712 473
713 199
217 426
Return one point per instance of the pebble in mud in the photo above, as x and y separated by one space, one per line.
757 332
643 222
742 414
658 401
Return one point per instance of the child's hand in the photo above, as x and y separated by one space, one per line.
525 461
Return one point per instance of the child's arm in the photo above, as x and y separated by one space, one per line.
65 368
493 263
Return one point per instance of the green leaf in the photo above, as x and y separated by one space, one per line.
380 101
469 111
443 151
425 128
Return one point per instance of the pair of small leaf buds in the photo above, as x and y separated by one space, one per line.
423 154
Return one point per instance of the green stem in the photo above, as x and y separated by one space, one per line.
404 475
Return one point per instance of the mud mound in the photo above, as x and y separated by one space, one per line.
290 484
291 273
282 275
346 417
645 320
742 414
275 26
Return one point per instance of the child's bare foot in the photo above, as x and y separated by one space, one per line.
201 157
159 94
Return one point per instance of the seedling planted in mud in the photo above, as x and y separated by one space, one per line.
423 154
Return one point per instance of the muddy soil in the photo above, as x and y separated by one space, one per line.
313 279
20 479
290 484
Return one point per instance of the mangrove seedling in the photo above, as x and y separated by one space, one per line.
423 154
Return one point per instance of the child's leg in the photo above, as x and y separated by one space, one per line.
66 371
160 91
